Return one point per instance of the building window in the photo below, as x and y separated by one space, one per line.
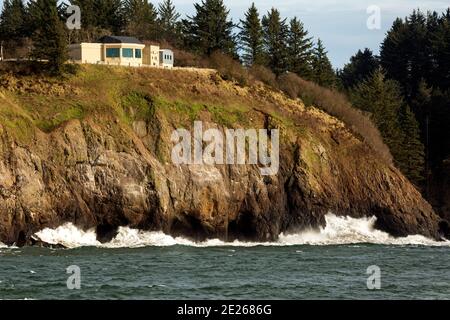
138 53
127 53
112 52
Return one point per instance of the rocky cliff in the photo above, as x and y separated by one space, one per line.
95 150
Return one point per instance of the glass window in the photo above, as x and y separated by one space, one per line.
127 53
137 53
112 52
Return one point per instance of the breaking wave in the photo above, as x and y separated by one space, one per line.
338 231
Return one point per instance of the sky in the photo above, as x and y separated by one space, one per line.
341 24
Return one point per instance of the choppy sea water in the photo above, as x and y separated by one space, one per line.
330 264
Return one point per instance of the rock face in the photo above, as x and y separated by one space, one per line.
101 172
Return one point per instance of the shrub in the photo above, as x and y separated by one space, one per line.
336 104
229 68
263 74
188 59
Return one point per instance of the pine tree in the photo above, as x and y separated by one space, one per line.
110 15
49 37
361 66
421 103
405 54
210 30
299 49
12 20
439 128
416 53
440 48
393 57
88 13
383 100
140 19
412 157
251 38
323 73
169 22
275 41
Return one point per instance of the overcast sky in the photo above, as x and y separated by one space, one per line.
341 24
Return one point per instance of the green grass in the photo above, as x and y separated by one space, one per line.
20 127
188 111
137 106
67 113
120 93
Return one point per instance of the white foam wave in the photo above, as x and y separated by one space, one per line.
338 231
347 230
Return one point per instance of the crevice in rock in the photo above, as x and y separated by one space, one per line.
188 226
106 232
243 228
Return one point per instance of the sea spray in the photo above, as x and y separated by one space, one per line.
338 231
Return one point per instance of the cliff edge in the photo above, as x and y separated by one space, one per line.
95 150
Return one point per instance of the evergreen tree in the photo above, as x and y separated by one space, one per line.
419 51
299 49
405 54
383 100
416 53
49 37
88 13
361 66
440 48
110 15
323 73
392 55
275 41
210 30
251 38
12 20
421 103
438 127
140 19
169 22
412 157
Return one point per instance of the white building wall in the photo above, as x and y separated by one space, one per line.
95 53
166 58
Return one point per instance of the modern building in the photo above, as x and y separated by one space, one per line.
111 50
151 55
122 51
166 58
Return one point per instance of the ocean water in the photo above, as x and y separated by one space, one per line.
329 264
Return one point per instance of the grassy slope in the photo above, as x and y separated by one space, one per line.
31 103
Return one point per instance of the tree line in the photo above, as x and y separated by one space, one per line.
267 40
405 90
